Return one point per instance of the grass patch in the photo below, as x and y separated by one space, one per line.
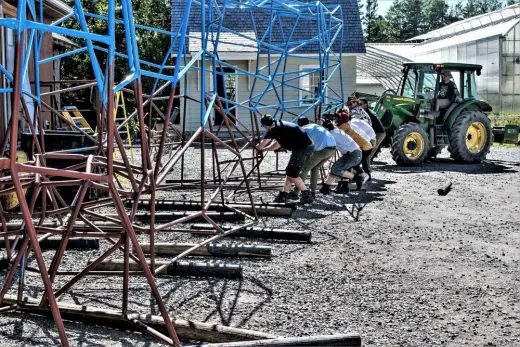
501 120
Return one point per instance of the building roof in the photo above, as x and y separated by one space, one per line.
474 24
238 20
53 8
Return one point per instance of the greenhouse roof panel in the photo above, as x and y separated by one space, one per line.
473 23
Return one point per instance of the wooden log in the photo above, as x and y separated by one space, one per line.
261 209
181 268
444 190
164 217
264 233
213 249
343 340
53 243
186 329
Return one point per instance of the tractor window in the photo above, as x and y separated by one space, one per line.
428 85
470 87
410 84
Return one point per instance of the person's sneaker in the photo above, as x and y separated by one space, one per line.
281 198
342 188
325 189
306 197
360 180
293 195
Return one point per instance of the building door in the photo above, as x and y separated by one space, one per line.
227 87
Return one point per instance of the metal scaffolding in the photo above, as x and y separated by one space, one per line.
99 178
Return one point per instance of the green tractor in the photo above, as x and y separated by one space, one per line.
421 119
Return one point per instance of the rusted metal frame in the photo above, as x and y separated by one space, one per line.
162 269
126 276
15 109
70 89
62 173
127 224
151 235
184 113
163 135
171 162
69 122
40 149
145 155
126 162
237 153
178 221
76 207
3 225
8 280
89 268
217 174
146 102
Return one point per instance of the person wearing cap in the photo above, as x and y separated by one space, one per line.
324 149
377 126
360 137
289 136
350 157
448 92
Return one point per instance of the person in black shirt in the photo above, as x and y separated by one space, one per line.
448 92
378 127
289 136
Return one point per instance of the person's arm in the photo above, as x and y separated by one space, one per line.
261 146
273 146
457 93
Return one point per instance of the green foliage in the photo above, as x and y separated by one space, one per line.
152 46
404 20
476 7
503 119
408 18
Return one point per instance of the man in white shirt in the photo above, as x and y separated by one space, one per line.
350 157
365 130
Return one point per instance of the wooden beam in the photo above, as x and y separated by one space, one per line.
343 340
186 329
181 268
213 249
257 232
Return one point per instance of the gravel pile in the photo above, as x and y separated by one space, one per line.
416 269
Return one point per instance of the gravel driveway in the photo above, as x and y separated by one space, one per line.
416 268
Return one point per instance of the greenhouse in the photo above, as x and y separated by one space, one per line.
492 40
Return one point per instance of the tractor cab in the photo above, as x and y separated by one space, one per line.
436 88
426 107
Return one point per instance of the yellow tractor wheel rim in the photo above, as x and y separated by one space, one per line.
413 145
476 137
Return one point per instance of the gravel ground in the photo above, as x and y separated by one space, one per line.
416 269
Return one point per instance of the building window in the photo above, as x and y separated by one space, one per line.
310 84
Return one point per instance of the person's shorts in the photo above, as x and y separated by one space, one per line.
298 158
345 162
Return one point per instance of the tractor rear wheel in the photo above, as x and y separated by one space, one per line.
410 145
470 137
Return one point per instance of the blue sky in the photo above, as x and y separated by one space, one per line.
384 5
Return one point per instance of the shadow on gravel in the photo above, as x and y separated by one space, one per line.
449 165
228 299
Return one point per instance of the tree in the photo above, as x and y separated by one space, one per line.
512 2
378 30
477 7
405 20
435 14
369 20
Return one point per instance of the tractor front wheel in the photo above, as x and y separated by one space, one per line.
470 137
410 145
